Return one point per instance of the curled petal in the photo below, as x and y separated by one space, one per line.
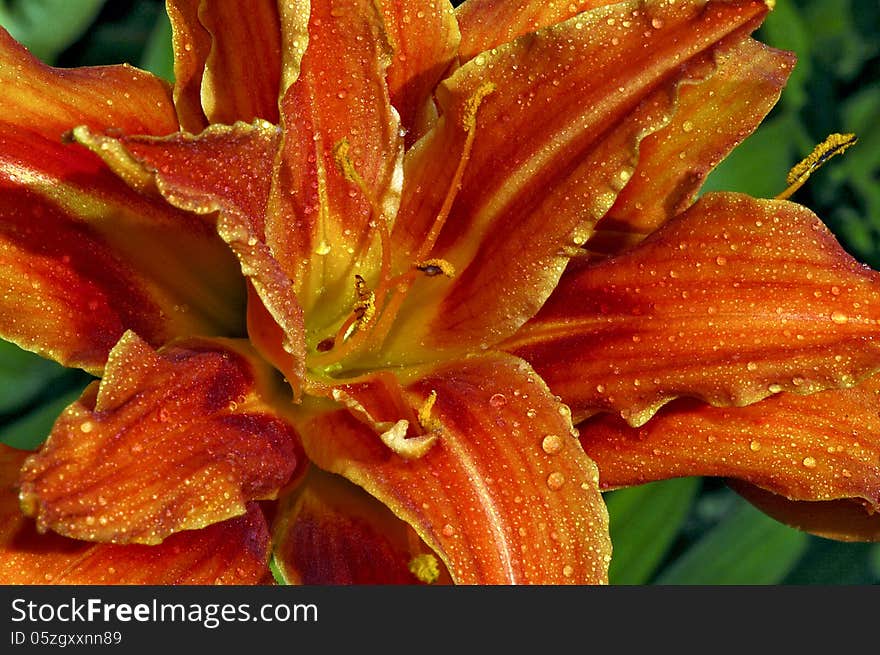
843 520
730 302
50 101
487 24
711 118
821 447
85 258
232 552
505 495
192 45
169 441
331 532
225 169
424 37
579 96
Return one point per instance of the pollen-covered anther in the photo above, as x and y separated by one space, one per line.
365 307
343 161
407 447
434 267
834 144
425 567
472 105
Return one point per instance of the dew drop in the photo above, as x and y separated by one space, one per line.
498 400
323 248
809 462
752 366
448 530
839 317
86 426
656 23
774 388
555 481
721 261
552 444
568 570
687 126
755 446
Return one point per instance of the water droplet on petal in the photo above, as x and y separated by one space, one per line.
555 480
552 444
448 530
498 400
809 462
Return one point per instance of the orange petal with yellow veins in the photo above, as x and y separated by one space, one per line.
487 24
330 531
225 169
169 441
821 447
710 119
525 204
424 37
843 520
338 177
84 258
232 552
730 302
505 494
51 101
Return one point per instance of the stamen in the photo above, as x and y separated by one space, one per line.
426 421
835 144
425 568
434 267
408 448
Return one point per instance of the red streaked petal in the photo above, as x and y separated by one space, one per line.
577 134
232 552
843 520
192 46
710 119
51 101
504 495
730 302
487 24
338 123
330 531
424 38
225 169
825 446
169 441
242 77
84 258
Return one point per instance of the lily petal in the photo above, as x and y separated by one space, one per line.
424 36
192 46
233 552
843 520
169 441
228 170
84 256
49 101
575 145
330 531
338 177
711 119
503 495
487 24
821 447
730 302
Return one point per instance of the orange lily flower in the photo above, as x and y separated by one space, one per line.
388 291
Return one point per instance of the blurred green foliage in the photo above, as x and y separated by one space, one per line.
688 531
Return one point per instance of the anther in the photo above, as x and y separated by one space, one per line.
835 144
434 267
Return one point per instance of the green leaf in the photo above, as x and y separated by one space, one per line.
758 166
23 376
874 560
29 431
158 57
644 523
746 548
47 27
786 29
832 562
